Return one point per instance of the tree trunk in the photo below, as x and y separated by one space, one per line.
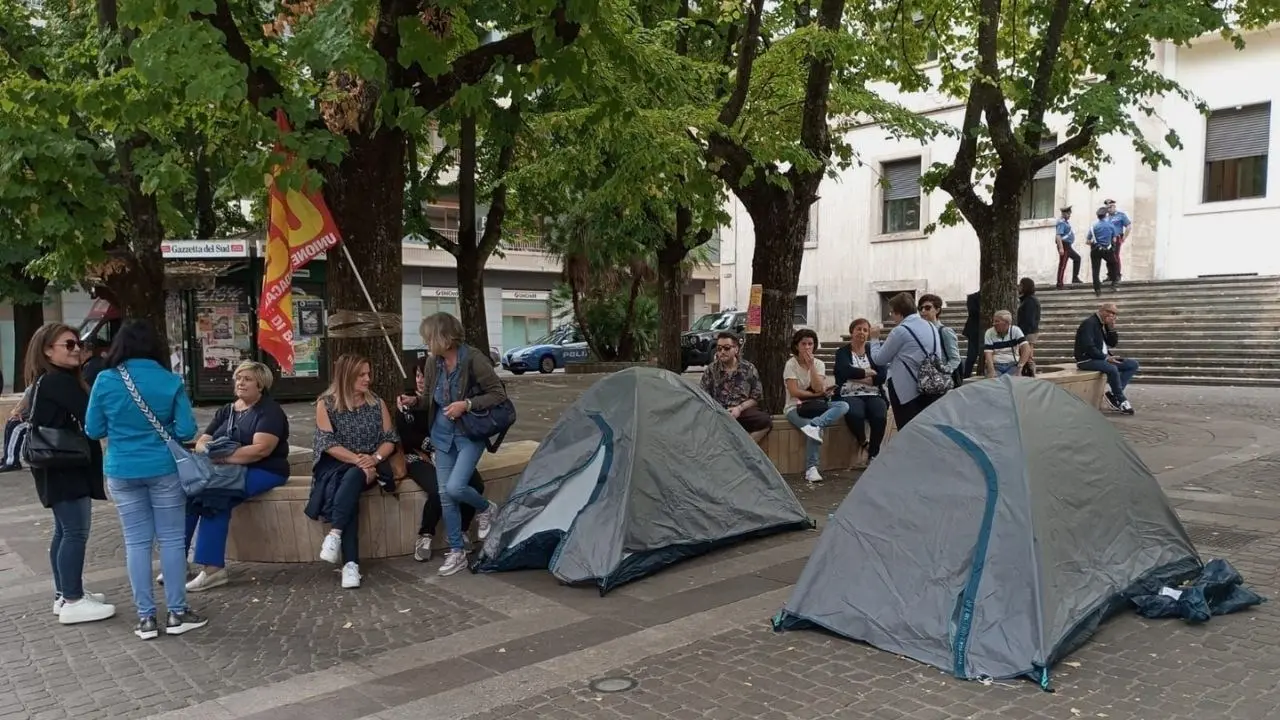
475 323
137 285
206 217
999 260
27 318
670 297
627 338
781 224
365 193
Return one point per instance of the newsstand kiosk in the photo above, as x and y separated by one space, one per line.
211 298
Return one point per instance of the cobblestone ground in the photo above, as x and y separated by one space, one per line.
286 643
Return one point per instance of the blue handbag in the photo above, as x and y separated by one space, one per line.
193 474
491 424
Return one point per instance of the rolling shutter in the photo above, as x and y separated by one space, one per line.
1238 133
902 179
1050 170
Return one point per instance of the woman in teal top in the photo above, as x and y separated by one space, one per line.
140 471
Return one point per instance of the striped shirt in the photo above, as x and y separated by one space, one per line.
1004 346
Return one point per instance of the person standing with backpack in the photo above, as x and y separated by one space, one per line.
912 353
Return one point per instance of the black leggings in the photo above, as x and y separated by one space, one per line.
424 474
867 410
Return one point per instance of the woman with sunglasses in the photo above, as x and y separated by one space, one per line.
930 307
59 400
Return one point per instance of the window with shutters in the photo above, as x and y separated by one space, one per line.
1037 199
901 188
1236 145
931 49
811 237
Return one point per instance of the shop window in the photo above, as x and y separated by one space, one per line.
433 305
524 322
1236 147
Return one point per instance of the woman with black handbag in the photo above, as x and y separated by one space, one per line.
67 467
467 404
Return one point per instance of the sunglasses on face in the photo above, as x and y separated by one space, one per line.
925 307
723 348
70 345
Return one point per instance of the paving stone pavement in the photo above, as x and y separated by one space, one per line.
285 642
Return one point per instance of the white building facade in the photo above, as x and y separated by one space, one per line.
1209 213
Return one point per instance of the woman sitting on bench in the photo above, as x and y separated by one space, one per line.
415 441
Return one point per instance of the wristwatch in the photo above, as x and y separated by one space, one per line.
468 406
378 457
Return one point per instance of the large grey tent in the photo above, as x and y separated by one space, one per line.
642 471
992 535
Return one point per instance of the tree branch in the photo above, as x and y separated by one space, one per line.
750 43
987 85
497 203
261 84
958 182
1042 86
815 132
435 237
471 67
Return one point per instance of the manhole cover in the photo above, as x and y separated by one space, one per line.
1219 537
613 684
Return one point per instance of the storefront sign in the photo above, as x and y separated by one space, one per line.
194 249
753 310
440 292
526 295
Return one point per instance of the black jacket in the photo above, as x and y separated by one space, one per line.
1090 337
60 402
846 370
973 319
1029 315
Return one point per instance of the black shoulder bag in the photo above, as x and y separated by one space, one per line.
491 424
50 448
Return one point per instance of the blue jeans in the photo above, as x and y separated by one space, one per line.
211 545
1006 369
153 509
71 520
1118 374
812 448
453 477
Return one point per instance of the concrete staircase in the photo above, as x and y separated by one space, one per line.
1207 331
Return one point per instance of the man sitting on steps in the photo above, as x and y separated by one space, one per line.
1095 339
735 384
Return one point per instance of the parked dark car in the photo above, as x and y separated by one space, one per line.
697 345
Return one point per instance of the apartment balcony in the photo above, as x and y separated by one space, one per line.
521 253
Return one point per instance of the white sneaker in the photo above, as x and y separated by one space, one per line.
96 597
422 548
484 521
812 475
208 580
813 432
86 609
350 576
453 562
1126 408
331 548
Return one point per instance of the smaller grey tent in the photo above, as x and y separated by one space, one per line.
992 535
643 471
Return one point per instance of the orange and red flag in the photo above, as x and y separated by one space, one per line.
300 228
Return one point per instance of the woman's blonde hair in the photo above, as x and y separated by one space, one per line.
342 384
256 372
440 332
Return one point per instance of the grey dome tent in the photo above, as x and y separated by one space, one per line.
993 535
643 471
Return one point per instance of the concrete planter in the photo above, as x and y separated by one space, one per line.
603 368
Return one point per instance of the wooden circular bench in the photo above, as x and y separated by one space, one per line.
272 527
785 444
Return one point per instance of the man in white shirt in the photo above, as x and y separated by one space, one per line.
1006 349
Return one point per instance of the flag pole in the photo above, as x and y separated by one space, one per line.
386 335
